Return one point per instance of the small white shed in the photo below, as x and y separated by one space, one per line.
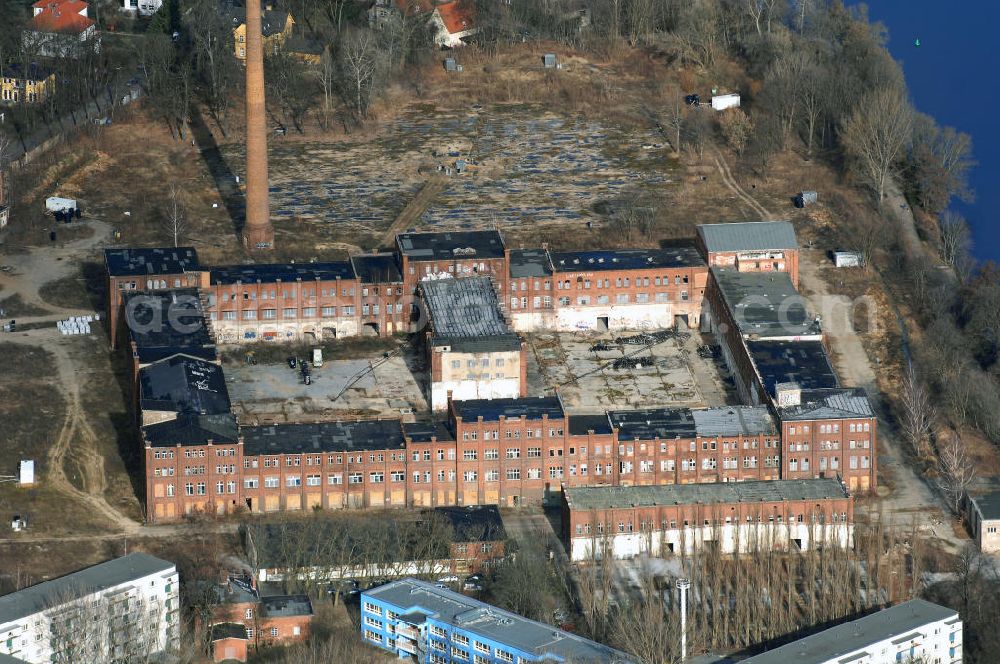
57 204
722 102
26 472
847 259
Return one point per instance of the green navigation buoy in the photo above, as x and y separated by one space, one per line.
916 42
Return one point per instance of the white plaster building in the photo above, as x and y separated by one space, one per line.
122 608
670 519
473 354
911 632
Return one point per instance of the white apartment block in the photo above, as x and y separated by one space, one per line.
113 611
911 632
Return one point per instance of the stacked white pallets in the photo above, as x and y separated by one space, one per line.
76 324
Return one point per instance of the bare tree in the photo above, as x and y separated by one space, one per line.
84 627
327 75
644 630
176 218
955 237
736 128
876 134
957 470
361 67
674 111
917 412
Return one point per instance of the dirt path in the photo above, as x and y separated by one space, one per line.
896 205
910 496
75 446
730 181
434 185
74 451
40 265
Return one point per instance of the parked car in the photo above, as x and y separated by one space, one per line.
474 582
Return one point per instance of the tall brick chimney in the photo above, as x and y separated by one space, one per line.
258 234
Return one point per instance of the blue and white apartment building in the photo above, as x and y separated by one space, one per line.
415 619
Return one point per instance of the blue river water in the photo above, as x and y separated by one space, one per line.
951 77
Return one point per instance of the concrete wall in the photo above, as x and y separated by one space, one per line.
244 331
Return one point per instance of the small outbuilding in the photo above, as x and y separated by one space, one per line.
549 61
847 259
983 514
722 102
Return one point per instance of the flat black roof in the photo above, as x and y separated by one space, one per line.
491 410
377 268
662 423
228 631
451 245
189 429
163 323
283 606
529 263
802 362
474 523
139 261
184 385
269 273
322 437
764 303
495 343
682 255
581 425
422 432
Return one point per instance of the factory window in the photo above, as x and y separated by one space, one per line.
249 314
309 312
269 314
621 298
642 298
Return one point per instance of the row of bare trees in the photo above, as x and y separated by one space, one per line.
309 554
763 593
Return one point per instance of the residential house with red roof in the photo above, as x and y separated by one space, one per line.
450 21
454 22
61 28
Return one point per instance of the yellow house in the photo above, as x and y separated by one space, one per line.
32 88
277 28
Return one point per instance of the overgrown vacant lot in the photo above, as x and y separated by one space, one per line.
31 408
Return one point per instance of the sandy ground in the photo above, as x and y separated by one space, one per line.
588 382
361 387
